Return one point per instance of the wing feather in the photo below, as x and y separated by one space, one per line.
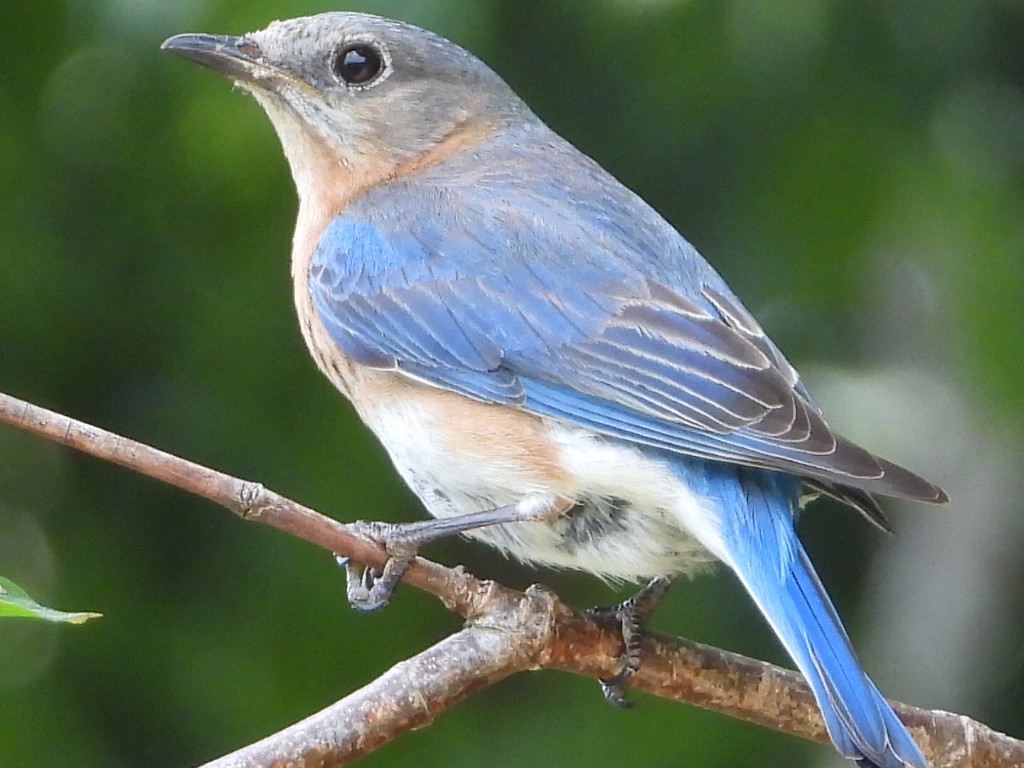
534 307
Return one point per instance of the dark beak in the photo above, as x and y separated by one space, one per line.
234 57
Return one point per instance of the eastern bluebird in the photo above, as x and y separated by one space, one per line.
550 365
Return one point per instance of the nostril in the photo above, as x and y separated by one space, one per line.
249 48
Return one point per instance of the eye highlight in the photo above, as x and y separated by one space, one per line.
357 63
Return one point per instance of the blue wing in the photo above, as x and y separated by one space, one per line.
579 303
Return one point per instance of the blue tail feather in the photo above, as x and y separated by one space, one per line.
761 546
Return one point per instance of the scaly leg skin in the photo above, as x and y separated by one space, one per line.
632 614
369 591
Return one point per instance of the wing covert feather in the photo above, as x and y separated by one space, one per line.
528 305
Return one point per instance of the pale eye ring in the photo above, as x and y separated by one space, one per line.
357 63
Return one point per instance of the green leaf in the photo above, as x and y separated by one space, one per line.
16 603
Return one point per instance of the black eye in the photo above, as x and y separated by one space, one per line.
357 63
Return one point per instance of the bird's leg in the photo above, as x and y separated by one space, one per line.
368 590
631 614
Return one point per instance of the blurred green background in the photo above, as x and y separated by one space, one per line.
855 170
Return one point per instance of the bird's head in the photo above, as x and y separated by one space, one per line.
356 90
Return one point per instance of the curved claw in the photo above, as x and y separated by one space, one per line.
613 689
631 615
368 591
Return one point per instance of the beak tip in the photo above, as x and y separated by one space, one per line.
231 56
188 42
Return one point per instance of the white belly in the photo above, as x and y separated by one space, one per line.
634 518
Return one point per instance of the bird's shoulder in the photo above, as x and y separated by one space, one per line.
528 198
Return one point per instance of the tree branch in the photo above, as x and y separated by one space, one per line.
408 696
508 631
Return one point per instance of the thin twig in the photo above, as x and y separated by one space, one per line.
509 631
250 501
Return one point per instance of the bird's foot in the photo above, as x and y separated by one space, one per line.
367 588
631 614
